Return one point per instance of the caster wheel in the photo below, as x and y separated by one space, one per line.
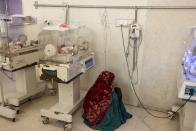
67 127
14 120
45 121
17 111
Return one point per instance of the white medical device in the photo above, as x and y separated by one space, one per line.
135 31
19 55
187 85
65 60
187 88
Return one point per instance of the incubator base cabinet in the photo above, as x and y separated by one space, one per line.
26 87
69 101
187 117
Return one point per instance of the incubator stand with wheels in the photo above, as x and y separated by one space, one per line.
187 88
67 57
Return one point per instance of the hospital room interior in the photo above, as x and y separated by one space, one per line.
105 65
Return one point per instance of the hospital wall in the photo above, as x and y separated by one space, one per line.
165 38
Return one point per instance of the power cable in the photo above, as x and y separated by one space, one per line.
135 45
105 24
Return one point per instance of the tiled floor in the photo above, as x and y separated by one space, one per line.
29 120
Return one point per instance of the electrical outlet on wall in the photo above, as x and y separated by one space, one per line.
123 22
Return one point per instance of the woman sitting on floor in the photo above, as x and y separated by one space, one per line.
103 107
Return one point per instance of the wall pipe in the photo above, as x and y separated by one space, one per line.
37 5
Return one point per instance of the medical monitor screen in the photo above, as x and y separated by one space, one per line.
89 63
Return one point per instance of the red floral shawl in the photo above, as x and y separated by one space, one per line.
98 98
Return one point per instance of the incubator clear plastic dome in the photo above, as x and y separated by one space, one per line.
190 62
69 41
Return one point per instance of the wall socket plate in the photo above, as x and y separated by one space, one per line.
124 22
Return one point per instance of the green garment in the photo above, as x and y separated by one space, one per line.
115 117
